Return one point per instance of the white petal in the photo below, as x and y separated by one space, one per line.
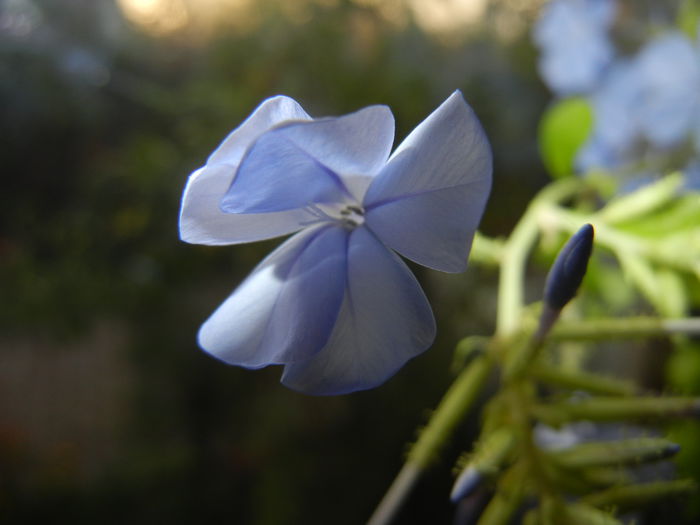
268 114
286 309
384 321
203 222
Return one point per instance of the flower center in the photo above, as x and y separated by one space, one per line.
348 215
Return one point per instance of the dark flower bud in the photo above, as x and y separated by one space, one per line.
568 269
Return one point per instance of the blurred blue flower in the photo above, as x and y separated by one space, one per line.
334 304
669 71
692 175
575 48
615 123
653 98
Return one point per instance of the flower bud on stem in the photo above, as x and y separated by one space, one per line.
565 277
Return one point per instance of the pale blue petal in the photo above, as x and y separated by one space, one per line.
428 200
384 321
616 104
670 78
300 163
616 125
575 48
355 144
203 222
595 155
286 309
277 175
268 114
201 219
692 176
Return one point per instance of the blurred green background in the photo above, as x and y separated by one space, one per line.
109 413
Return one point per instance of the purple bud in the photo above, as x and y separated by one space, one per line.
467 481
568 269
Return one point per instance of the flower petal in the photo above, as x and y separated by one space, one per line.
576 49
384 321
277 175
285 310
357 143
300 163
428 200
669 68
271 112
201 220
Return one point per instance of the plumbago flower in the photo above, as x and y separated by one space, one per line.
653 97
334 304
573 38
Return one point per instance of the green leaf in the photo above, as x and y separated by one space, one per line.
682 213
564 128
643 202
643 276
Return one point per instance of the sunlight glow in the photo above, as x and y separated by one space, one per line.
156 16
440 16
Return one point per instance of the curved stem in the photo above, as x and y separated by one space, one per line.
516 249
455 405
625 328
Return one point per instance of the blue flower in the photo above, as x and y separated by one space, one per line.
652 98
616 122
334 303
574 44
669 70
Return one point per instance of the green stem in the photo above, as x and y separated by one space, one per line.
580 380
453 408
625 328
631 496
617 409
516 249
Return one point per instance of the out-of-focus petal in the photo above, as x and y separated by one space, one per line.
300 163
286 309
692 176
616 125
269 113
201 219
595 155
615 106
575 48
428 200
669 68
384 321
203 222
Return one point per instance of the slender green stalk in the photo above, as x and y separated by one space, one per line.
452 410
635 495
516 249
625 328
391 503
455 405
618 409
580 380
